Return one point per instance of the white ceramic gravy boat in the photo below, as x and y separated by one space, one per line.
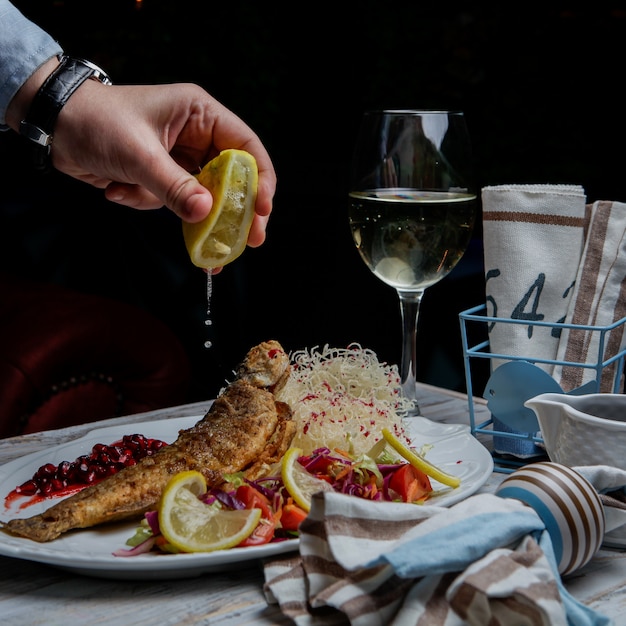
582 430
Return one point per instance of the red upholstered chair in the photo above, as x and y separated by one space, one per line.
71 358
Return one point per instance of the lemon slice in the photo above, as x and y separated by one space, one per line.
232 177
300 484
192 526
420 462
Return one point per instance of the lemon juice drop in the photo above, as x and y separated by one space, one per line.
209 294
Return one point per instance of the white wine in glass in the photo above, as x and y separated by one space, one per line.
412 208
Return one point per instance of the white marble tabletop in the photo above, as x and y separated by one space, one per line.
37 594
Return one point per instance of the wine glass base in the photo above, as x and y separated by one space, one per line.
409 392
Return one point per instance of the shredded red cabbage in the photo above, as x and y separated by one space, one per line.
152 517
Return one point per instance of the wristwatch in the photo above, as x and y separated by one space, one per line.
56 90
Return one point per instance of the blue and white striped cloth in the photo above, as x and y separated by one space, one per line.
485 560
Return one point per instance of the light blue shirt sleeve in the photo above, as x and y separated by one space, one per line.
23 48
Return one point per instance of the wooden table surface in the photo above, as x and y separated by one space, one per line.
32 593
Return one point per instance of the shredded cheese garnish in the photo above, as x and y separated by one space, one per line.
343 398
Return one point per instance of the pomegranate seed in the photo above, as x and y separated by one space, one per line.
64 469
104 460
115 455
29 488
155 445
56 484
47 470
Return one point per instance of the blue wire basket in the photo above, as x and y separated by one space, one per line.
514 449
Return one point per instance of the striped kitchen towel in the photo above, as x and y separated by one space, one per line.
599 299
533 242
485 560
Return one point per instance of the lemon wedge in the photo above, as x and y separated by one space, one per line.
300 484
192 526
232 177
420 462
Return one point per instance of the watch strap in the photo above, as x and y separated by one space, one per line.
38 126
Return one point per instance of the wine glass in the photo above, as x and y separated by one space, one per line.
412 208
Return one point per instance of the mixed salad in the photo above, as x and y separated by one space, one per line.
377 475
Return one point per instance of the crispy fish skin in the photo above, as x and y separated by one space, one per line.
233 436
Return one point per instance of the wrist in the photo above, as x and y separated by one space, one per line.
40 120
18 107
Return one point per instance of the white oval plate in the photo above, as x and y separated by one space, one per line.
89 552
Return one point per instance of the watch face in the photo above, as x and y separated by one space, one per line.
98 73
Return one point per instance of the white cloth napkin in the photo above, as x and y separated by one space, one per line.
485 560
533 241
599 299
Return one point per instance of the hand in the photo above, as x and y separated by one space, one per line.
140 144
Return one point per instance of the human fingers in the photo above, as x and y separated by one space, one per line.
161 181
258 231
197 205
267 184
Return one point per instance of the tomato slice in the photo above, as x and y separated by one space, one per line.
263 533
254 499
410 483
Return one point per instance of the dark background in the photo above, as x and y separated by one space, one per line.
541 89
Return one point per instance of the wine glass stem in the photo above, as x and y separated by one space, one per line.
409 309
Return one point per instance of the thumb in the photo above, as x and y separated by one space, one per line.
181 191
160 181
192 202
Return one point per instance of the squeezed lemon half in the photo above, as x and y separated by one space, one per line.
232 177
192 526
300 484
420 462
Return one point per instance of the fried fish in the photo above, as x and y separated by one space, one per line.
245 430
